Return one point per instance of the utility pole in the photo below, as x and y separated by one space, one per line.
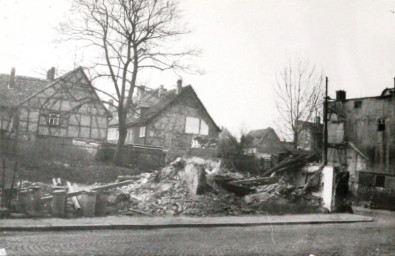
325 154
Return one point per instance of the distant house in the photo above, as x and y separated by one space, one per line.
67 107
168 118
362 140
265 146
310 137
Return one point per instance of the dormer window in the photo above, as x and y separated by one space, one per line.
53 119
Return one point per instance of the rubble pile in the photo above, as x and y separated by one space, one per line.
188 186
167 192
283 191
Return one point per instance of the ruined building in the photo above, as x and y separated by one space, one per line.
361 138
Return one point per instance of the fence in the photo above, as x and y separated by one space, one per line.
49 148
140 156
376 198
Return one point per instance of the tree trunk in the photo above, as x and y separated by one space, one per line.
296 140
121 140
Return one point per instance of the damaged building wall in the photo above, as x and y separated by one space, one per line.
360 137
363 128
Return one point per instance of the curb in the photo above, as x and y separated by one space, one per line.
371 212
162 226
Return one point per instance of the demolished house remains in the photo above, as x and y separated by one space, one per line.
361 141
188 186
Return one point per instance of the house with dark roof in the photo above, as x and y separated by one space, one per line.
361 138
265 146
67 107
167 118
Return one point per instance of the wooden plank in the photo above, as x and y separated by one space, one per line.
97 189
257 181
74 198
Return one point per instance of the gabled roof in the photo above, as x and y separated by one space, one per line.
155 105
267 141
27 87
24 87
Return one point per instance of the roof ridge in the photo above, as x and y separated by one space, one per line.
26 77
51 84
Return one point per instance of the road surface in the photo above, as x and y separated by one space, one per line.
373 238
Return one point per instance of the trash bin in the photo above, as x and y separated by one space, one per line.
101 204
59 203
25 201
59 188
36 193
88 203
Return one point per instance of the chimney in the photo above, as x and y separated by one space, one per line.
340 95
179 86
140 92
317 120
51 74
11 85
110 105
161 90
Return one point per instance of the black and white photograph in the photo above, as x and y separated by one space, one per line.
197 127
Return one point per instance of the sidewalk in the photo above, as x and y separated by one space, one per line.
126 222
372 212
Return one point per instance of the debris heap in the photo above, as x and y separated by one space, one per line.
168 192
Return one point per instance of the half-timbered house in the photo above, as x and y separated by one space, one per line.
66 107
170 119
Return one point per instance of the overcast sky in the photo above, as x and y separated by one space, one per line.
243 42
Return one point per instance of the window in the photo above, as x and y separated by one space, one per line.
380 181
142 131
381 125
192 125
357 104
129 138
53 119
366 179
196 126
203 128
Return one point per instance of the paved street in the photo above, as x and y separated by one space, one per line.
372 238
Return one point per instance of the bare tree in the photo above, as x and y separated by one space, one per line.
130 35
299 91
